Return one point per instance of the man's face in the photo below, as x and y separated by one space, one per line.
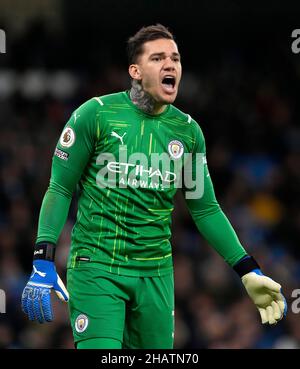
160 70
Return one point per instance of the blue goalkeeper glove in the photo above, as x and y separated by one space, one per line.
36 299
264 292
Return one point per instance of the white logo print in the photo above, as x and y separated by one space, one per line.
76 117
114 134
67 137
176 149
81 323
35 271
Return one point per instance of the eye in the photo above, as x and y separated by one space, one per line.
156 58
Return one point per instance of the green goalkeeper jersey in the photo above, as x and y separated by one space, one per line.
128 166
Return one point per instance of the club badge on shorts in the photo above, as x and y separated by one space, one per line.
81 323
175 149
67 137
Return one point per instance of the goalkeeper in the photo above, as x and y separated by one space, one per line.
120 270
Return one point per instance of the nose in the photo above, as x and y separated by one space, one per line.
169 64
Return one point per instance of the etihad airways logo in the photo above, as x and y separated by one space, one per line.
155 171
140 170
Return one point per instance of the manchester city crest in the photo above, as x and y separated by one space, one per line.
81 323
175 149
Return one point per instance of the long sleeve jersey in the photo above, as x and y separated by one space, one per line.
127 166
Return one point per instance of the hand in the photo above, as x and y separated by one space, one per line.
36 301
266 295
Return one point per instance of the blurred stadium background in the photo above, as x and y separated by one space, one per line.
241 82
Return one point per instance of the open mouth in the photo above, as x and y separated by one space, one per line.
168 83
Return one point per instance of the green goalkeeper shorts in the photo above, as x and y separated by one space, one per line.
137 311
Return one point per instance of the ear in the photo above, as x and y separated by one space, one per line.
135 72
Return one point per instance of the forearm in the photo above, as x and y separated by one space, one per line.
53 213
219 233
213 223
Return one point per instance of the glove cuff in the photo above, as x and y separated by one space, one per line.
246 265
44 251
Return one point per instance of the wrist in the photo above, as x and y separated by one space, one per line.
41 263
246 265
257 271
44 251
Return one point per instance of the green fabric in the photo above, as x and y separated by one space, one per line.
54 212
209 217
218 231
126 229
137 311
99 343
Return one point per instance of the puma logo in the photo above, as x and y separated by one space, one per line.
35 271
114 134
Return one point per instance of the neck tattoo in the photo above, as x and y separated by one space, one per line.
141 98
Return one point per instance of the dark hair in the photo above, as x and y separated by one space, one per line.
145 34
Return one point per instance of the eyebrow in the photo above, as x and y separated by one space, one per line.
163 54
